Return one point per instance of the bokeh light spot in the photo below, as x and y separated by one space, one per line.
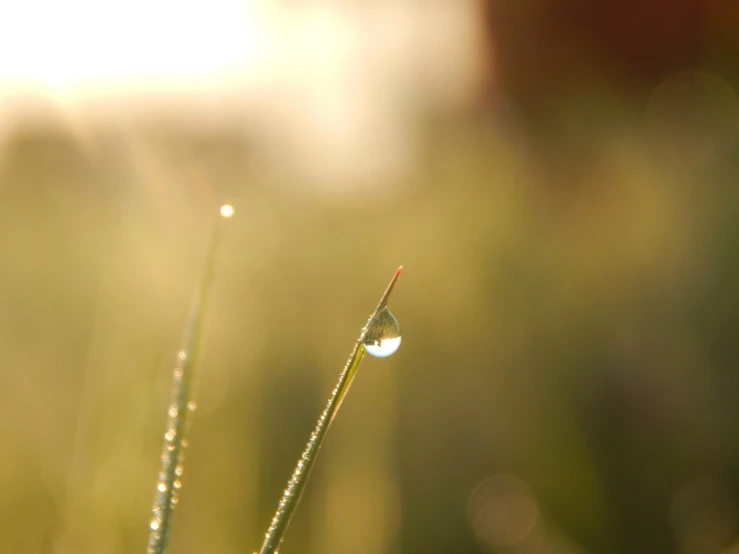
704 516
693 118
502 510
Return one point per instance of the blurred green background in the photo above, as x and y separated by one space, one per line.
559 180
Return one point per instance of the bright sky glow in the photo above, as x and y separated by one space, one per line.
321 80
75 42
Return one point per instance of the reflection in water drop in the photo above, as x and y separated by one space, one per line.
383 335
383 349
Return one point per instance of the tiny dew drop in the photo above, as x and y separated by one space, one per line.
383 335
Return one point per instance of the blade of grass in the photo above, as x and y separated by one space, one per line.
296 484
170 470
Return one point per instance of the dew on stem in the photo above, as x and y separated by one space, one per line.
381 332
227 210
383 335
181 406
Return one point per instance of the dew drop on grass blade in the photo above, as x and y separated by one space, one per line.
181 406
380 337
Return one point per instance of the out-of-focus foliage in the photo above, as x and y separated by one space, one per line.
569 229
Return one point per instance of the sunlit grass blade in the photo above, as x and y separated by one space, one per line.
296 484
171 468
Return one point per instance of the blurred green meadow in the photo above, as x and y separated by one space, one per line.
569 367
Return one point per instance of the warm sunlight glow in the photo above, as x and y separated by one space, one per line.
79 43
227 210
320 80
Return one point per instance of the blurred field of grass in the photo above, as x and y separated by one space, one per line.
567 377
579 336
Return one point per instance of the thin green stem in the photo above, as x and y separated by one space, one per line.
296 484
170 470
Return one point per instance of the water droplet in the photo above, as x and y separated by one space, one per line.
169 435
383 335
161 487
155 523
192 406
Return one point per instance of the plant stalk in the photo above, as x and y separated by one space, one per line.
172 458
296 484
